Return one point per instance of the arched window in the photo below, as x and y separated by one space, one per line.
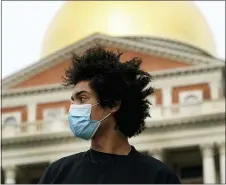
53 114
190 102
191 99
10 121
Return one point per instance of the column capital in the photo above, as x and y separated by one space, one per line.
207 149
205 146
9 167
221 147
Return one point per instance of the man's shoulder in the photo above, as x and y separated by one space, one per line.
68 159
162 172
53 171
150 161
64 162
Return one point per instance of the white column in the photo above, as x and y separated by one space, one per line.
31 112
167 100
31 117
157 154
209 172
214 90
10 175
221 147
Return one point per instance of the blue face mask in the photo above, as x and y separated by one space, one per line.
80 123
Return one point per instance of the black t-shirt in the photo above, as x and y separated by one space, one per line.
92 167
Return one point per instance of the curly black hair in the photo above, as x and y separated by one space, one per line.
114 81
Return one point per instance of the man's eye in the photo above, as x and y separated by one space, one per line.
83 99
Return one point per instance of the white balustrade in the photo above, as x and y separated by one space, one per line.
157 113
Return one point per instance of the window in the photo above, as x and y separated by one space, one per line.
10 121
11 118
191 97
53 114
191 172
190 102
34 180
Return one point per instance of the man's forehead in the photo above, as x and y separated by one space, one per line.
82 86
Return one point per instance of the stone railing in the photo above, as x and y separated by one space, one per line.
178 111
158 113
41 126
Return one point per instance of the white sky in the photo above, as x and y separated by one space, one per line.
24 24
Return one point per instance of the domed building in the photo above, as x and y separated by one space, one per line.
180 21
187 128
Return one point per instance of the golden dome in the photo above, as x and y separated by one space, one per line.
180 21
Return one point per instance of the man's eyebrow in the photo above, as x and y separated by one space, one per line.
75 94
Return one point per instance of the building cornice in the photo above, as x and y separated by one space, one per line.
158 51
157 75
172 44
79 47
199 69
33 90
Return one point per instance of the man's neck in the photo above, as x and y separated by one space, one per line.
112 144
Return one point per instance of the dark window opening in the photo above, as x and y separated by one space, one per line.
191 172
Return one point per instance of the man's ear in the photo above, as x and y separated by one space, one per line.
116 107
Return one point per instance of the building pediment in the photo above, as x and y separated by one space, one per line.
46 68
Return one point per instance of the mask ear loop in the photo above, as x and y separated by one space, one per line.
95 104
116 126
105 117
100 121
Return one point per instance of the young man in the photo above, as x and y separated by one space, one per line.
108 105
